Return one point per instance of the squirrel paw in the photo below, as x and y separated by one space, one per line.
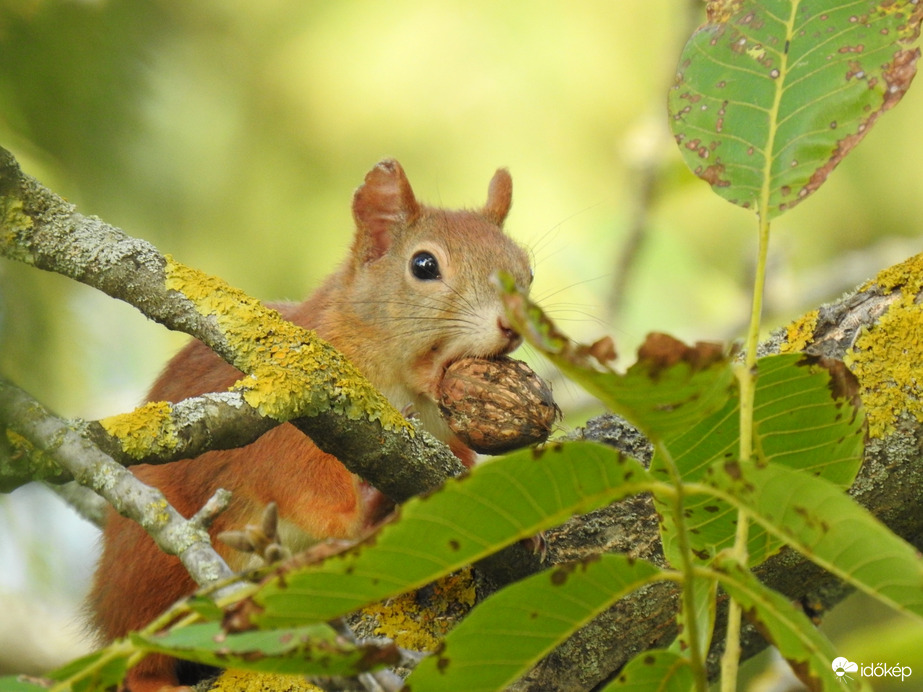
263 540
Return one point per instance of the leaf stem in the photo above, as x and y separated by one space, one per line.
688 568
746 378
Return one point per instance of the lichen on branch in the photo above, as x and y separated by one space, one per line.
291 374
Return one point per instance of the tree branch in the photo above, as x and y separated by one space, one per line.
293 375
56 441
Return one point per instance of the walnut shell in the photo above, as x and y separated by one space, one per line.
495 405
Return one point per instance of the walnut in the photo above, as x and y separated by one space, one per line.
495 405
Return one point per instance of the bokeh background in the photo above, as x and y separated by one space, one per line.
231 134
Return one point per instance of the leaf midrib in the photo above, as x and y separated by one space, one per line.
769 158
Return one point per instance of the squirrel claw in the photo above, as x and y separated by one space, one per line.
537 545
263 540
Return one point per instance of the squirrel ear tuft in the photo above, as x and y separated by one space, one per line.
385 200
499 197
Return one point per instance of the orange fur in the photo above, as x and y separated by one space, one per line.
399 330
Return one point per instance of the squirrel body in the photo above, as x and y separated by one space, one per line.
412 296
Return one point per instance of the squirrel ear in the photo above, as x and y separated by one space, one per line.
499 197
383 201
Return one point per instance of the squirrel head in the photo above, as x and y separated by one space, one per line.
418 280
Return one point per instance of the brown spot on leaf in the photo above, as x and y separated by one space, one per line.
712 175
843 383
376 655
898 75
732 468
239 616
855 70
603 350
661 351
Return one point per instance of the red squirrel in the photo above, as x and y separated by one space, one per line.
413 295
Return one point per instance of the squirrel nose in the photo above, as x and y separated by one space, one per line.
512 337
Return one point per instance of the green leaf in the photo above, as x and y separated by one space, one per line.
817 519
797 424
809 653
504 636
670 387
705 594
656 669
99 670
312 650
507 499
771 95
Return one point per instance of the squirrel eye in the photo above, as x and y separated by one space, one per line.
425 267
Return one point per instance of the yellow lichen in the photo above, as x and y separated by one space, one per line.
158 511
13 219
245 681
907 275
41 464
419 620
800 333
886 357
145 431
286 363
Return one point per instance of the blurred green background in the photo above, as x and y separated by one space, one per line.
231 134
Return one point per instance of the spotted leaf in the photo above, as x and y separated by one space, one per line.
770 95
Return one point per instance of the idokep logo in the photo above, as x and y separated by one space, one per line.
843 666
